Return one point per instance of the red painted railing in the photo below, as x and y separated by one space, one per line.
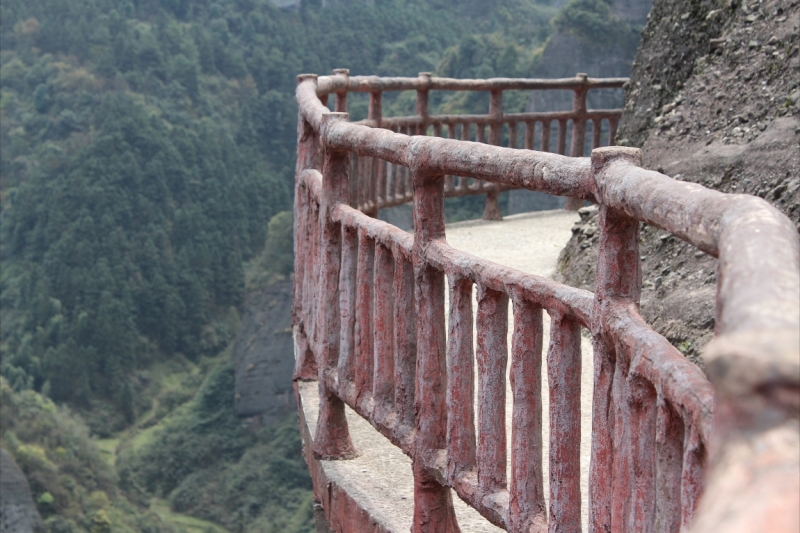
370 322
376 183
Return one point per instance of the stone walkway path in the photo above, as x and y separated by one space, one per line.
380 478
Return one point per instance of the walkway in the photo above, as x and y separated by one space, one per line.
380 478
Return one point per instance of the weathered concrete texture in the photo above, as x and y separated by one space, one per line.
531 242
377 486
18 513
373 493
263 352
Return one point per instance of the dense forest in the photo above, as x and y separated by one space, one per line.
146 146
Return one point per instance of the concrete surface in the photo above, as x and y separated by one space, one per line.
380 478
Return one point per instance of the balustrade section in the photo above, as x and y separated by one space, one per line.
370 315
376 184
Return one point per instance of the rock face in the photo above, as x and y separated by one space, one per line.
18 513
713 99
264 355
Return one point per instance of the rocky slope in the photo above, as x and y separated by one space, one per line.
18 513
713 99
264 355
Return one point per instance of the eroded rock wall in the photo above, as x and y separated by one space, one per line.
713 99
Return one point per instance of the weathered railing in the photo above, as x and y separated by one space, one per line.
375 183
370 327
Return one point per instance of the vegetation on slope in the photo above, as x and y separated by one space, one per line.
146 146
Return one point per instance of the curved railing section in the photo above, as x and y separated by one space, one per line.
376 184
369 315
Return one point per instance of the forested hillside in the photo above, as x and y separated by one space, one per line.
146 144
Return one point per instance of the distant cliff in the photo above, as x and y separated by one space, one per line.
264 354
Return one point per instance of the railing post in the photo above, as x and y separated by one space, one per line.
564 377
433 505
371 171
526 508
422 102
341 96
332 439
618 280
492 209
578 131
308 156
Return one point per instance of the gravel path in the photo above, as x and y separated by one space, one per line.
380 478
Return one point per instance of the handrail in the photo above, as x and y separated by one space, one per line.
653 411
376 184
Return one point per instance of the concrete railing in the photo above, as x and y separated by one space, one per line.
370 327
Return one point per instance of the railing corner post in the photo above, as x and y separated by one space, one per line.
332 439
617 280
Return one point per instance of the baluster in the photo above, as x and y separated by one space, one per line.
383 377
348 281
433 506
341 97
529 134
597 129
375 113
306 364
460 382
375 116
618 279
313 279
492 354
480 130
408 186
669 442
492 209
405 340
526 490
437 129
578 132
450 181
612 130
512 134
465 127
692 479
621 468
422 103
364 326
579 117
564 377
546 133
562 137
643 416
332 439
382 185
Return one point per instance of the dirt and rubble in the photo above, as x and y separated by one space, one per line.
714 98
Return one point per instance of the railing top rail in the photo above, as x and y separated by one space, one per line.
740 230
344 83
